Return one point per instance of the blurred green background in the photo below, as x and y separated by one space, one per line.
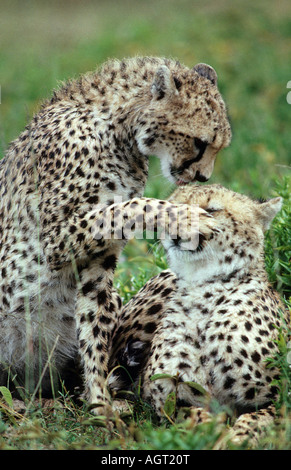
247 42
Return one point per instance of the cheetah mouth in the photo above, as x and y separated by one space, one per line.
197 177
181 182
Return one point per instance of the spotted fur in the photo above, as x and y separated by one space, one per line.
212 318
87 144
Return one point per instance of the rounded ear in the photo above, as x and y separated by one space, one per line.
267 211
163 83
206 71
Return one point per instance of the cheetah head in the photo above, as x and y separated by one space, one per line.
185 123
236 244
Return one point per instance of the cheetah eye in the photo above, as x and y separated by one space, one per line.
211 210
200 145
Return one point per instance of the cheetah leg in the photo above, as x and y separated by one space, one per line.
125 220
85 235
251 426
97 305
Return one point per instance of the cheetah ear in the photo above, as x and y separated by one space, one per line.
163 83
268 210
206 71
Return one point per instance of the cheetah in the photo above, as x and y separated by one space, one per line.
88 144
211 318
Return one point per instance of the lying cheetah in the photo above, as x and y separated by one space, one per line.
212 317
87 145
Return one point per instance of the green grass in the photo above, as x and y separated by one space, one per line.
248 43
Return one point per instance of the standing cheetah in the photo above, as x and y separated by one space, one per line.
87 145
211 318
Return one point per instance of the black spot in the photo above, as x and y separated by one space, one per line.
203 360
80 237
220 300
84 223
184 365
265 351
92 199
250 394
207 295
111 186
80 172
88 287
101 297
62 246
154 309
91 316
256 357
109 262
228 383
89 351
148 141
222 310
150 327
73 229
238 362
244 338
247 377
166 292
248 326
105 320
244 353
263 332
96 331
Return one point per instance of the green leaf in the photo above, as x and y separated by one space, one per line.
161 376
197 387
170 404
7 396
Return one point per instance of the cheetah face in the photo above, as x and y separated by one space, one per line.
185 124
237 241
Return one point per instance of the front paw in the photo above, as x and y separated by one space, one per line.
192 227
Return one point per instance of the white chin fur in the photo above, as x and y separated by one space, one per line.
165 160
165 167
160 153
200 266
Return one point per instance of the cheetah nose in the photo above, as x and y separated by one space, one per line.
200 177
177 241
